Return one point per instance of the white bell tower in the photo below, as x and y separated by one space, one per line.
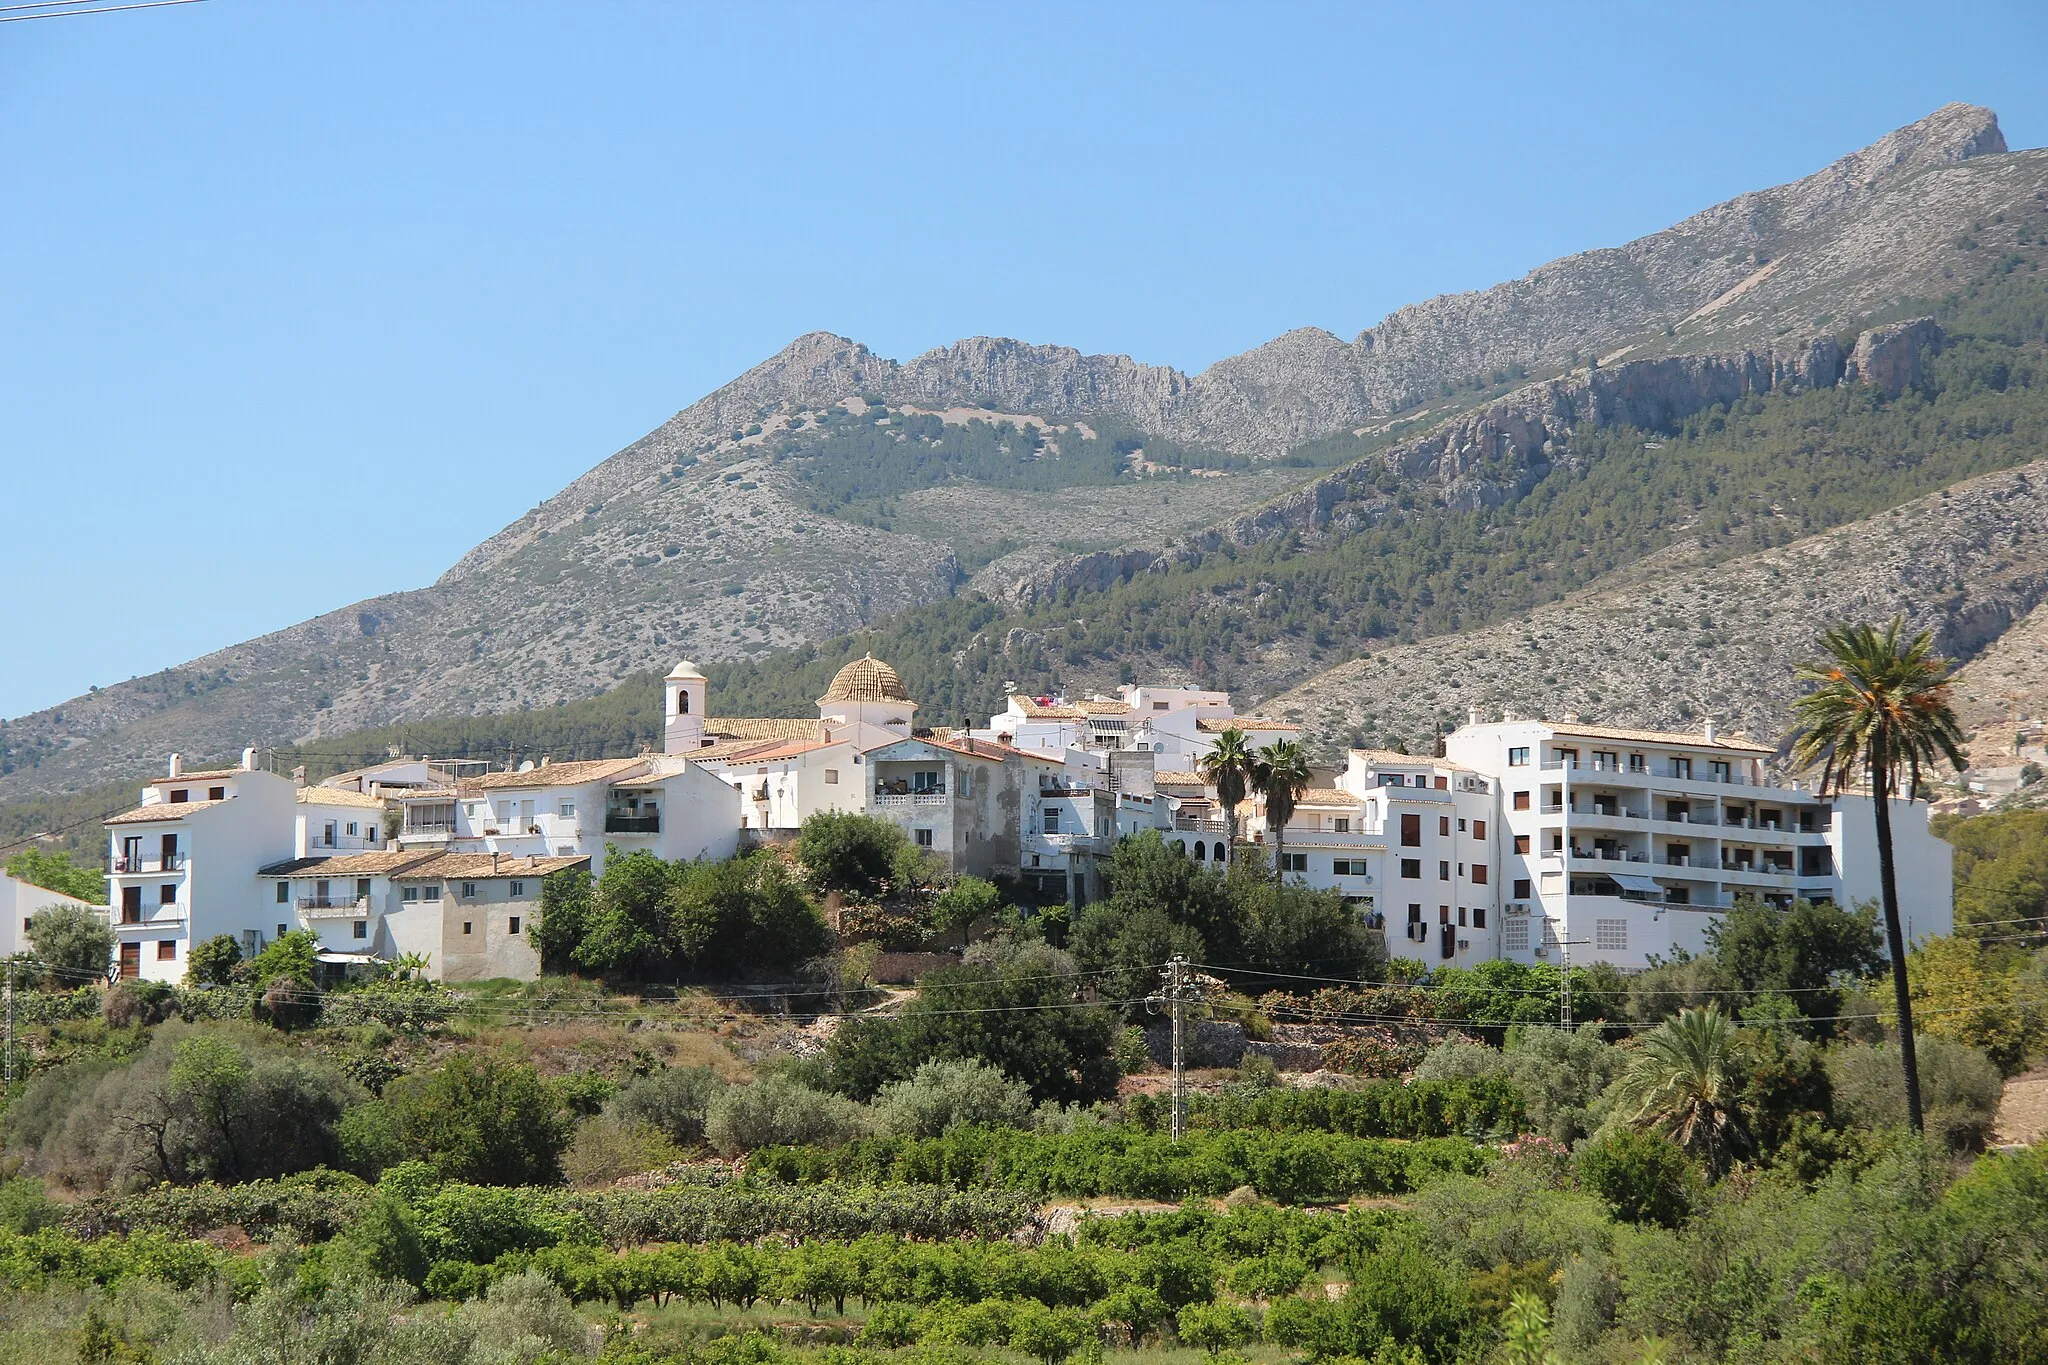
683 709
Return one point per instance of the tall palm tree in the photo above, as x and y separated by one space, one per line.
1685 1082
1880 704
1228 767
1283 775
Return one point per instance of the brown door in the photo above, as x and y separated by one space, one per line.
131 961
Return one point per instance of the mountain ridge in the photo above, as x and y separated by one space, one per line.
626 566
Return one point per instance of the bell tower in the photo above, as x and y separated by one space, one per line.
683 709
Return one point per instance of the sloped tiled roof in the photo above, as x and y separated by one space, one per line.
1037 710
1217 727
339 796
385 862
733 750
763 727
162 810
472 866
556 774
1326 796
1169 777
195 776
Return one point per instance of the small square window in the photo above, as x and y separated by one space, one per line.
1411 867
1521 888
281 931
1342 824
1443 825
469 891
1443 871
568 809
518 889
284 893
409 895
216 793
1518 757
1521 800
1479 829
1478 917
1521 843
431 892
923 837
465 926
831 777
513 926
352 829
361 928
166 950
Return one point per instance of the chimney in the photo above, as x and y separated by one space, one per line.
299 775
1710 729
177 765
494 862
249 760
544 760
1471 715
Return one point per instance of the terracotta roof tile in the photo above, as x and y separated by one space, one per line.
866 679
556 774
162 810
472 866
339 796
385 862
763 727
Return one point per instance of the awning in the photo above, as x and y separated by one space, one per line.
336 958
1629 882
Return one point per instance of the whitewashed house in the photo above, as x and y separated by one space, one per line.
184 864
1623 845
19 900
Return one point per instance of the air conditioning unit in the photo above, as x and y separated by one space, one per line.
1543 952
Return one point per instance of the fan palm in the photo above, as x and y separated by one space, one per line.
1283 775
1684 1082
1880 704
1228 767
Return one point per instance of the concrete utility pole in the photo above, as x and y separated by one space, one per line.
10 1024
1564 997
1180 988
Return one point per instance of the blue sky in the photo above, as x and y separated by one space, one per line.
303 299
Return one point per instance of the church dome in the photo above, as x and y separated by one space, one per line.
866 679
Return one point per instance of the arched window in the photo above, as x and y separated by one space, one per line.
683 701
1180 846
1200 853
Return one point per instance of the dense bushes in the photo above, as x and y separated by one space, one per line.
1424 1108
485 1121
1290 1167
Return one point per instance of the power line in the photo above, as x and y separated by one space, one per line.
74 13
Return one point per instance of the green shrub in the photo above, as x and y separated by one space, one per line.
943 1095
489 1122
775 1111
1217 1327
676 1101
1644 1177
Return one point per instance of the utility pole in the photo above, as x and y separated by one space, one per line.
1564 995
1180 987
10 1024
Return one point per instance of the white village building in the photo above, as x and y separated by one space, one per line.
19 901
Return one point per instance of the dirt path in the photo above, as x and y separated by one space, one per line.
2023 1112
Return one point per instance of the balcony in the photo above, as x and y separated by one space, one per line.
333 907
168 862
1190 824
428 829
630 822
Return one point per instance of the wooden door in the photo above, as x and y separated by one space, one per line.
131 961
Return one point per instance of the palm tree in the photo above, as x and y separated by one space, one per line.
1228 767
1283 775
1684 1082
1880 704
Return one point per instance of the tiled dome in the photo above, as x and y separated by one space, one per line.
866 679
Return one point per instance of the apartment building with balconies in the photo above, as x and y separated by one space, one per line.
182 865
1432 825
1624 845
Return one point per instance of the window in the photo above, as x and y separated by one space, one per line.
1717 771
683 701
1393 779
280 931
180 797
431 892
362 888
1341 824
1518 757
166 895
1636 764
1411 867
167 950
1443 784
1443 824
371 834
512 925
1052 819
1443 871
1610 935
1521 888
1158 706
1514 936
505 813
1478 917
1411 831
361 929
831 777
1521 843
465 926
352 828
1521 800
1681 767
518 890
1294 862
327 836
409 895
1461 917
1568 757
1415 914
1479 829
567 808
1443 914
216 793
1348 867
1479 874
922 837
1606 761
284 893
469 891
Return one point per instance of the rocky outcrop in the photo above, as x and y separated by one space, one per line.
1893 358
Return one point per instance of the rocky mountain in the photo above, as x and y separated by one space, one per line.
1673 641
704 538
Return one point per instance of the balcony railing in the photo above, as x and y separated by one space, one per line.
333 907
417 829
1190 824
623 822
174 862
